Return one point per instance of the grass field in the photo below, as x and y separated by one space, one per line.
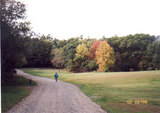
116 92
12 94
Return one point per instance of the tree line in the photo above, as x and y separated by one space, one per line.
127 53
21 47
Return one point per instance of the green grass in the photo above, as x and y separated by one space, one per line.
113 90
12 94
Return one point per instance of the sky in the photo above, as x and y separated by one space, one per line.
64 19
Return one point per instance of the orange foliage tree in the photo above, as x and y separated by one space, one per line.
92 52
105 56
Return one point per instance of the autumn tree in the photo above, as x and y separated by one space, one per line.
105 56
79 63
81 51
92 52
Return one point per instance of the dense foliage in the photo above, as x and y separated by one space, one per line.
131 50
17 46
38 53
92 52
13 34
105 56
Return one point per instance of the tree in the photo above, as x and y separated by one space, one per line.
59 43
151 61
91 65
105 56
13 35
92 52
69 51
38 52
57 60
80 61
131 50
81 51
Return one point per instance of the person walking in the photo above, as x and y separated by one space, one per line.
56 76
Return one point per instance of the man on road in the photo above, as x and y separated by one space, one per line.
56 76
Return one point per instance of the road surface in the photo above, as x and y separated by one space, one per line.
51 97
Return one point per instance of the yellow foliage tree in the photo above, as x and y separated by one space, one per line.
105 56
81 50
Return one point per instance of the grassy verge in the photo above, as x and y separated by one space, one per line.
12 94
116 92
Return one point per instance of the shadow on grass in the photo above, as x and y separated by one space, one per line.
15 92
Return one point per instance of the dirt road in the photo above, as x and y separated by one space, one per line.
52 97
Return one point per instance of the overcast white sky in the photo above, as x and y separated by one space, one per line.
64 19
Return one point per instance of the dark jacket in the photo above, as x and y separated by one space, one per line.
56 75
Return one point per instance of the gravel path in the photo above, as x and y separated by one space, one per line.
52 97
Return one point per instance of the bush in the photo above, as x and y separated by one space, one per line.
91 66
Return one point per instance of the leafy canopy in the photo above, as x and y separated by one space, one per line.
81 51
92 52
105 56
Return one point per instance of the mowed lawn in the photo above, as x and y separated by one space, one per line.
116 92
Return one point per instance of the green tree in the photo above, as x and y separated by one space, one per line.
151 61
91 65
59 43
131 50
57 60
39 52
13 34
69 51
